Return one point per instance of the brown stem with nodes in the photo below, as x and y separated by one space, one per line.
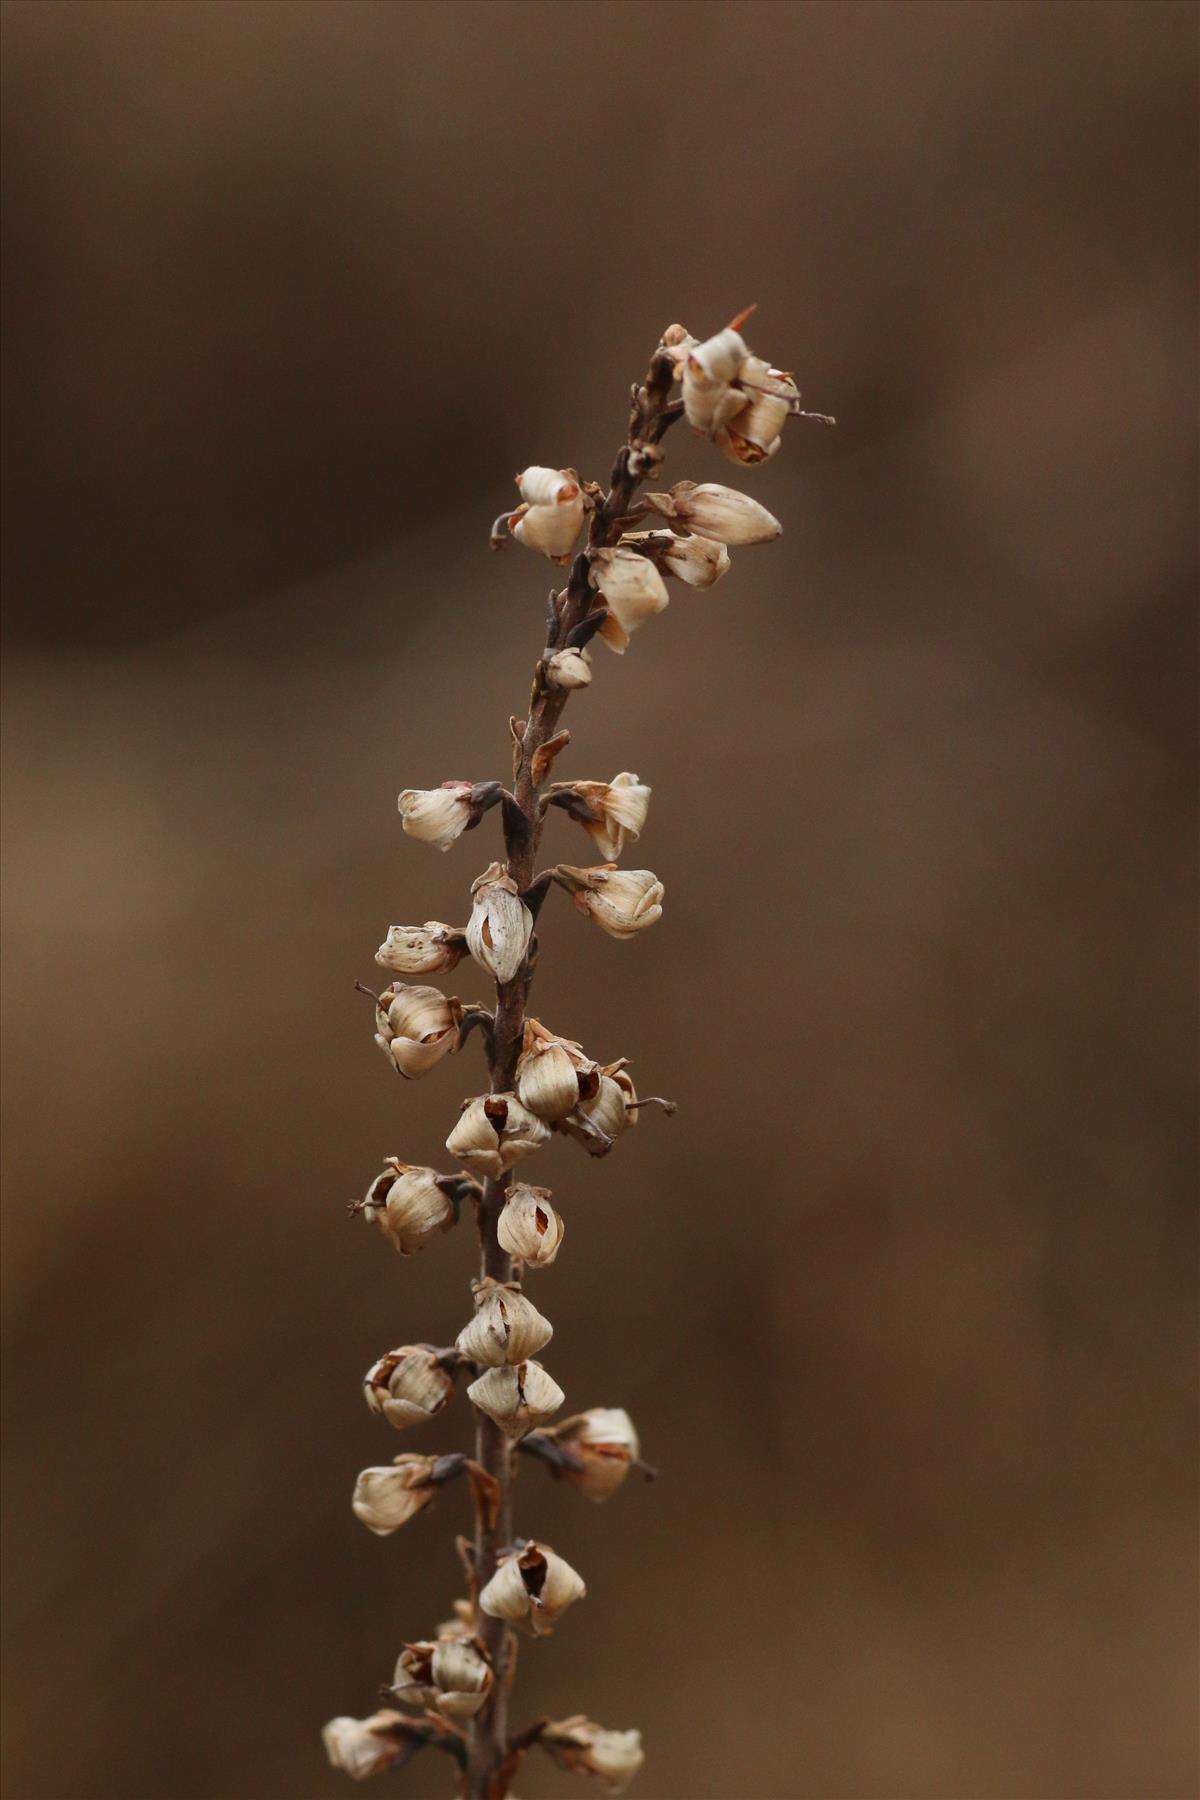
651 415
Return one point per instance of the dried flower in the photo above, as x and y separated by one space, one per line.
416 1027
386 1498
412 1682
631 588
409 1205
709 372
584 1748
753 434
567 669
698 561
528 1226
408 1386
717 512
551 515
430 949
621 901
531 1589
676 344
517 1397
450 1674
618 582
501 924
553 1074
437 815
612 1109
605 1442
362 1747
507 1327
611 812
462 1677
493 1133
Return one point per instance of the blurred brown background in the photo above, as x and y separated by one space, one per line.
902 1299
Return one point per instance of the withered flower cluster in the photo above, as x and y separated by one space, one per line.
451 1691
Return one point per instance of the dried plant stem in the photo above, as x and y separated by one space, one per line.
651 416
540 1083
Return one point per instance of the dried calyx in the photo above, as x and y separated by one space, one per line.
620 549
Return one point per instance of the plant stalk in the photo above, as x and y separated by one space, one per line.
650 418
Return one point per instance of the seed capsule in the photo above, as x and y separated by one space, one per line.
412 1681
631 588
553 1074
493 1133
430 949
462 1677
408 1386
415 1027
528 1226
437 815
568 669
698 561
708 374
551 515
507 1327
517 1398
501 924
408 1205
605 1442
622 902
585 1748
531 1589
362 1747
717 512
611 812
386 1498
753 434
597 1122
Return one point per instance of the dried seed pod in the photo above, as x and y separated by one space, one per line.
567 669
501 924
631 588
708 374
551 515
528 1226
698 561
582 1747
518 1398
553 1073
430 949
754 433
611 812
716 512
386 1498
462 1677
507 1327
362 1747
493 1133
408 1205
408 1386
416 1027
412 1683
606 1443
531 1589
437 815
597 1122
622 902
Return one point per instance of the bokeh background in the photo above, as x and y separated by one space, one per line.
902 1299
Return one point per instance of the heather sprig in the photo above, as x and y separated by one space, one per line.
454 1687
